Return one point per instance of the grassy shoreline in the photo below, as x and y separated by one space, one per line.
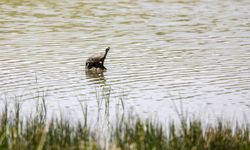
38 132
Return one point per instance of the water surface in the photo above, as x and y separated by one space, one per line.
162 52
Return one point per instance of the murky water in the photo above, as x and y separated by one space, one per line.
161 52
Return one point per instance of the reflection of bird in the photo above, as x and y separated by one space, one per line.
96 61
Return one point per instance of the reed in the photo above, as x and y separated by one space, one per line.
37 131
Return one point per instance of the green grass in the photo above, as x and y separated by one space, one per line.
188 136
38 132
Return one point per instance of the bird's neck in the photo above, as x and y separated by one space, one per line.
106 52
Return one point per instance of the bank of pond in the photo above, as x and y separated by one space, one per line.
37 131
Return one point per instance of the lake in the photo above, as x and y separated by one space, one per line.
166 56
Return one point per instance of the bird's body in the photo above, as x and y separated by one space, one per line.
96 61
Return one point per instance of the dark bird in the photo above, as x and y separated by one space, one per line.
96 61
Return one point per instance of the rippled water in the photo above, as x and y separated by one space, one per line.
161 52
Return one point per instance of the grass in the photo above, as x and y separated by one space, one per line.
38 132
189 136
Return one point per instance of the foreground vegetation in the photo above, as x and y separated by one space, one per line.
38 132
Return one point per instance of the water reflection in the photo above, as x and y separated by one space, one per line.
96 77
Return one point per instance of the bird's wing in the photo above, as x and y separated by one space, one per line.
95 58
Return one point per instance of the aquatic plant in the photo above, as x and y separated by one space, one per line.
37 131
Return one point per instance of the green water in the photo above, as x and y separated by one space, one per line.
161 52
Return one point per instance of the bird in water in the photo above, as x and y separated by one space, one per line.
96 62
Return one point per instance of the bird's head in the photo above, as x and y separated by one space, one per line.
107 49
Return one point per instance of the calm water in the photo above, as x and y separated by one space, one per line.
162 51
